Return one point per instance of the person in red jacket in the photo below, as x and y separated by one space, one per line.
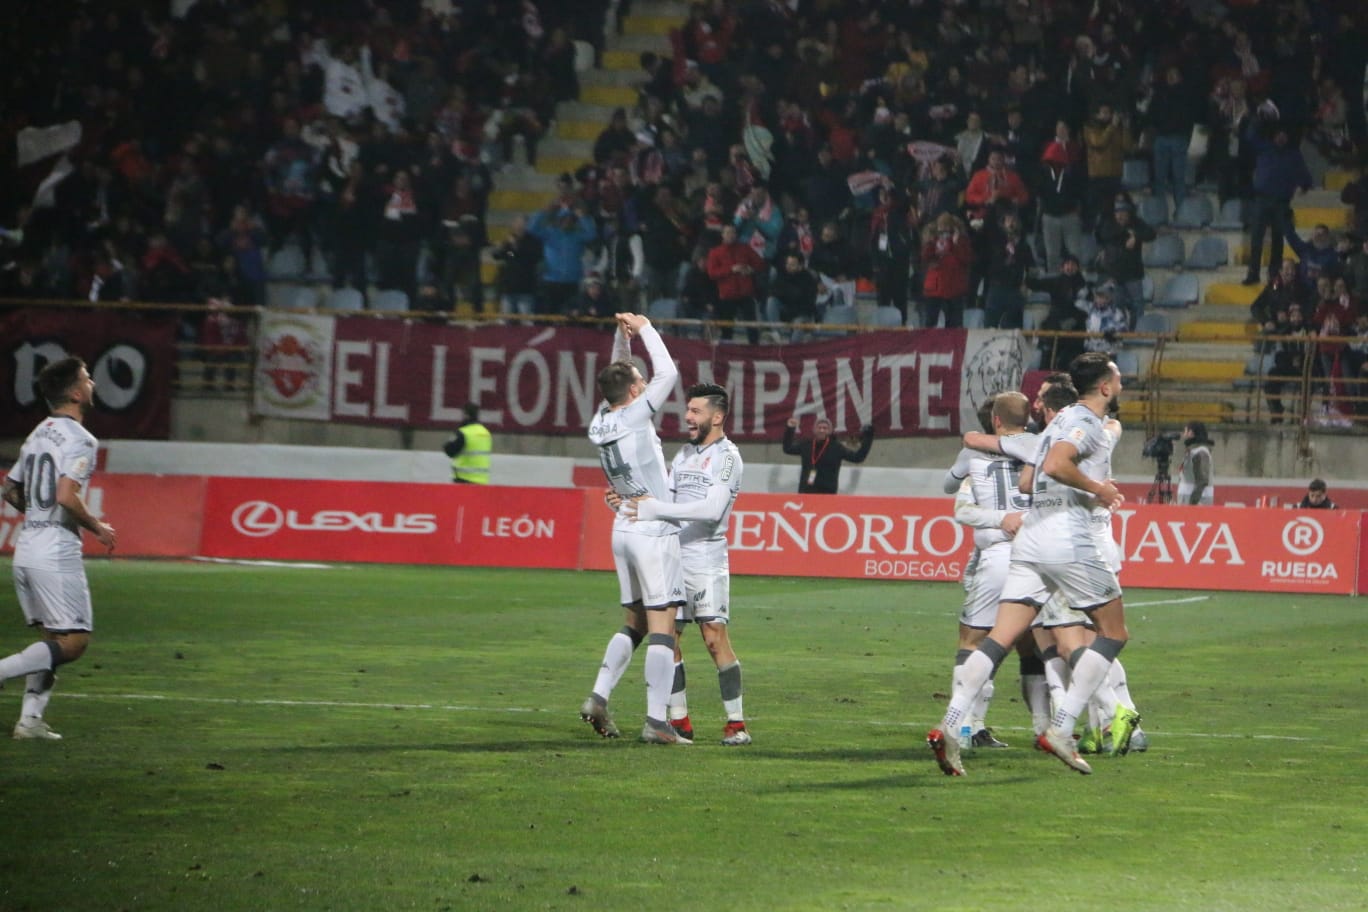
947 254
734 267
994 187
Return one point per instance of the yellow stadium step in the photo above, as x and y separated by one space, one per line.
1337 179
520 200
580 129
489 273
497 233
559 164
1212 330
621 60
610 96
1210 371
1171 413
1334 217
650 25
1241 254
1229 294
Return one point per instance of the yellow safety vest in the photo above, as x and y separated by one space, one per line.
472 463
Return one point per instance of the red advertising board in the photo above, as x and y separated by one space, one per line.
131 359
1164 547
382 522
154 515
542 379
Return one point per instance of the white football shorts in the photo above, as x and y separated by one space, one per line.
1081 584
983 581
708 585
54 599
648 570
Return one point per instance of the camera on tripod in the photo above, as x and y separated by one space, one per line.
1160 449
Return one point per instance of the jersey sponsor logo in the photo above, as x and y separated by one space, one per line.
260 519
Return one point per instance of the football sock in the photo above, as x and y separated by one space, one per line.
1056 675
1089 670
37 692
1035 692
1117 679
659 676
615 661
40 656
979 711
679 701
729 682
973 674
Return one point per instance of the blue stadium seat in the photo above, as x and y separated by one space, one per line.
1154 210
346 299
1135 174
1210 252
391 300
1230 218
1152 322
1164 252
887 318
287 263
1181 290
1194 212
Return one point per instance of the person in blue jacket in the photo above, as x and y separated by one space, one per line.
565 232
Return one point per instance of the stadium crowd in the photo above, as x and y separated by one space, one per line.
942 155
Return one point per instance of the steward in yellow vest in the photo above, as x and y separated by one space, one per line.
470 448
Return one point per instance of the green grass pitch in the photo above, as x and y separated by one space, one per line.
377 738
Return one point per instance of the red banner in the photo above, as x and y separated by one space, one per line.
131 358
378 522
154 515
543 379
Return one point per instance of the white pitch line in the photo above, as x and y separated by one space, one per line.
1181 601
243 562
459 707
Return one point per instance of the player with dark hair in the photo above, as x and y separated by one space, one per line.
1061 548
55 464
705 478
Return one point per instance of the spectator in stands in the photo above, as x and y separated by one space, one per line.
822 456
792 296
1281 292
1229 156
565 233
1107 139
291 187
356 211
219 334
1355 195
1063 316
797 236
558 61
1009 258
456 269
519 256
399 237
946 256
1121 240
664 242
1356 270
734 266
1104 318
1354 367
759 221
1334 317
942 191
825 191
891 242
1317 257
244 239
1289 357
1060 192
614 145
621 263
994 189
697 290
1172 114
1317 497
1280 172
594 300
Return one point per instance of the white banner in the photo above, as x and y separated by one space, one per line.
994 361
294 366
37 143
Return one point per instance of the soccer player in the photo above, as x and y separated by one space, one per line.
705 478
987 500
646 554
55 464
1058 549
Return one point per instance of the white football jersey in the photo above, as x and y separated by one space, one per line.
628 445
51 538
992 486
1062 525
704 483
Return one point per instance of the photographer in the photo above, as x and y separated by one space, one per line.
1194 475
823 454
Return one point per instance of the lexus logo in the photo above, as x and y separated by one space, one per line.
258 519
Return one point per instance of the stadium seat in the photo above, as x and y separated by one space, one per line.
1029 320
1087 252
304 298
838 315
887 318
1147 289
1164 252
287 263
346 299
1230 218
1135 174
1181 290
1210 252
584 56
391 300
1128 362
1154 210
1154 323
973 318
1194 212
663 309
